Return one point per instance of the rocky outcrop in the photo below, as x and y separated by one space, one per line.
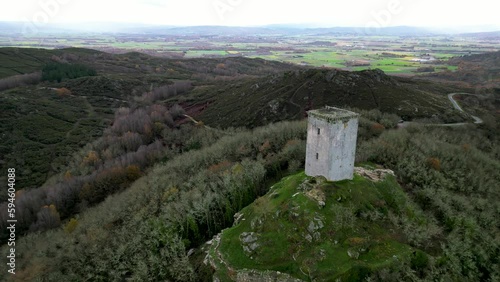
249 242
311 188
264 276
375 174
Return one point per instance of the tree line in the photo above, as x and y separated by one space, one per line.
20 80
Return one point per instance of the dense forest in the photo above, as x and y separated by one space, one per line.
186 199
60 71
141 198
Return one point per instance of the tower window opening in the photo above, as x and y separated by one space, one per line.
319 131
317 156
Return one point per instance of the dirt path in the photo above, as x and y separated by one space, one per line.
293 96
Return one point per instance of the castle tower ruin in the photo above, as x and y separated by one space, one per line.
331 143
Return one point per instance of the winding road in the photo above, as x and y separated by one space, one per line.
456 106
477 120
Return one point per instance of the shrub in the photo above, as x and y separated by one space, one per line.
133 172
71 226
419 261
176 111
434 163
62 92
92 158
376 129
47 218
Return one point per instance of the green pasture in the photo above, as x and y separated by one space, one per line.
292 49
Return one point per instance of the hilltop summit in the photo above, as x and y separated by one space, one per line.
308 228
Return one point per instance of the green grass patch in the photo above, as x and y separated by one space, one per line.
296 236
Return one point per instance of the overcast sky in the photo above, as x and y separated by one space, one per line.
361 13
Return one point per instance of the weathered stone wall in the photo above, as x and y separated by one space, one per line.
331 153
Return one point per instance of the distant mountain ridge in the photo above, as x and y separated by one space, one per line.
281 29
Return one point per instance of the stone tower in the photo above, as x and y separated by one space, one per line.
331 143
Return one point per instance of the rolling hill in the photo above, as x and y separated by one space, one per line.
481 71
41 129
289 95
307 229
228 92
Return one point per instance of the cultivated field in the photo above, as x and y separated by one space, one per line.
392 54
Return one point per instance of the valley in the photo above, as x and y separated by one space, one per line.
392 51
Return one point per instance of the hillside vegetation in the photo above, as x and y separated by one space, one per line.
15 61
440 225
115 182
479 70
44 123
184 201
56 119
178 204
288 96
